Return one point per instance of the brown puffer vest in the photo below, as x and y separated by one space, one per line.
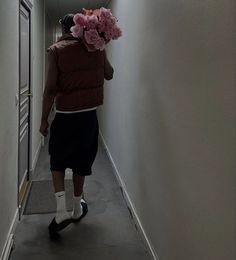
79 79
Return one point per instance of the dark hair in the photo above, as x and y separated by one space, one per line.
67 22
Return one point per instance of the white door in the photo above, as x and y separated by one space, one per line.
24 107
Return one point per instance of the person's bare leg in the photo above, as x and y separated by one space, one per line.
58 181
78 182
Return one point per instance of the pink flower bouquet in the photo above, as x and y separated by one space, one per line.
96 27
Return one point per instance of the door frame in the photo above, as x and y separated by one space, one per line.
22 194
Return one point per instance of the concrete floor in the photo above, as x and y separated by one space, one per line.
107 232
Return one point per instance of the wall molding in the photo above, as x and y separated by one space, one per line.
10 237
129 203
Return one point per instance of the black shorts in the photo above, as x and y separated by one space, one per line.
73 142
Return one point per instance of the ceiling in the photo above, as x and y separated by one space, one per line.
56 9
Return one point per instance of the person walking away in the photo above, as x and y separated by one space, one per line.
75 78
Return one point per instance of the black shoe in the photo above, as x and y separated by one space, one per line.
54 227
84 212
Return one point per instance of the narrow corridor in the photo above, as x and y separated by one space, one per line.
163 182
107 232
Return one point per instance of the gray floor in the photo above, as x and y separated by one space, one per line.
107 232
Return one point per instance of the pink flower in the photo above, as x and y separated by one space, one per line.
77 31
108 34
106 24
100 44
80 19
105 13
102 26
92 22
98 27
116 33
91 36
112 21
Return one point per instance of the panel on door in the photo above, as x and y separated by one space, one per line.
24 101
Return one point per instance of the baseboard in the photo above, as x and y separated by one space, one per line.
10 238
130 205
36 156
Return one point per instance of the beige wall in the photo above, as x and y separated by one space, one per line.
169 123
9 75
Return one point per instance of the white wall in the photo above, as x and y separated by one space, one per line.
38 49
49 33
9 85
9 73
49 37
169 123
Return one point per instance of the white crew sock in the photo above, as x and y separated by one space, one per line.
77 207
62 213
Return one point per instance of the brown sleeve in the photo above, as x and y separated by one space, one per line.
51 85
108 69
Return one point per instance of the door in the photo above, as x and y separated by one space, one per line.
24 105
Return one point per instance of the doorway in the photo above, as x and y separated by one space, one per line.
24 104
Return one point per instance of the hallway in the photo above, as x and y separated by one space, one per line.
107 232
163 185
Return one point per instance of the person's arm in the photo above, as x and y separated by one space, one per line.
108 69
50 91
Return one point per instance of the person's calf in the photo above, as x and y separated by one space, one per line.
78 182
58 180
